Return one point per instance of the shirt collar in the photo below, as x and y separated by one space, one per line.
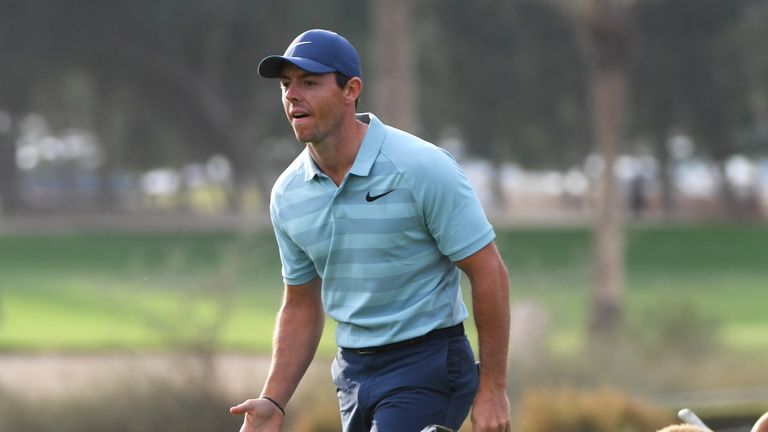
371 145
311 170
366 155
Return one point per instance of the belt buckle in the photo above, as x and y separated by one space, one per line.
365 351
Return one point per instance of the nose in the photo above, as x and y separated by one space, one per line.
290 93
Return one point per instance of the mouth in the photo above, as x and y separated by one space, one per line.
298 114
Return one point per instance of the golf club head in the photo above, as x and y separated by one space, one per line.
436 428
692 419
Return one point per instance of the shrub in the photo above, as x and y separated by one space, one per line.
571 410
319 416
126 408
677 327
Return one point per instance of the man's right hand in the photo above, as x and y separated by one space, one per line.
261 415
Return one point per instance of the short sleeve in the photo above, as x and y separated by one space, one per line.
298 268
452 211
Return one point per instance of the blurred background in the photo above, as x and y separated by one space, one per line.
620 148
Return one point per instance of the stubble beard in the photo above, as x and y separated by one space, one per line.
316 136
309 137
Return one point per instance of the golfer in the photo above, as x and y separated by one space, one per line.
373 226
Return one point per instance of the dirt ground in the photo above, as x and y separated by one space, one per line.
39 376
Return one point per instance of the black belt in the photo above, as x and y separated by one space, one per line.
456 330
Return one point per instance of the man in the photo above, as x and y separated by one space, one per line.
373 225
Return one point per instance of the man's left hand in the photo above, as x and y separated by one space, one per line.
490 412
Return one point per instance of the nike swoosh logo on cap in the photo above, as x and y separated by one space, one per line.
299 43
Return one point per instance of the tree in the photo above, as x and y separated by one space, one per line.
691 74
658 75
394 63
16 60
513 98
172 81
509 78
10 195
716 99
750 38
606 38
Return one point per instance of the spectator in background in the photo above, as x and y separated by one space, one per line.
637 196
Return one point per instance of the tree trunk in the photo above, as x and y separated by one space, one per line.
394 64
110 127
608 92
735 205
499 198
606 44
10 194
668 205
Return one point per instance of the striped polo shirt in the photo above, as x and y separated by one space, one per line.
385 241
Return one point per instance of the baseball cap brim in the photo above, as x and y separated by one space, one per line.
272 66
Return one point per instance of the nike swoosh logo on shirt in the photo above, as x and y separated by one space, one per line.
372 198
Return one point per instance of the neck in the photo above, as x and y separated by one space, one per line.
335 156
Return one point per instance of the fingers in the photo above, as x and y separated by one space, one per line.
257 407
497 427
491 422
240 409
260 415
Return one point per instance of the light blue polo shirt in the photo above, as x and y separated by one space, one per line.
385 241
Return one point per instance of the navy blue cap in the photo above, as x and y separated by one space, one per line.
315 51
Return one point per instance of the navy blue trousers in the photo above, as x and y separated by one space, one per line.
407 388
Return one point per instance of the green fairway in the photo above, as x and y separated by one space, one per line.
71 292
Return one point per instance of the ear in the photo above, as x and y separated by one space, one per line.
353 89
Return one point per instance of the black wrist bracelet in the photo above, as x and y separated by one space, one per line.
274 403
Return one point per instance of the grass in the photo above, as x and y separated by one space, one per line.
92 292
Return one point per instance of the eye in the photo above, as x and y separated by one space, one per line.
284 85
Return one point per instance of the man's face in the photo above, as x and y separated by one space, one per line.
313 103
